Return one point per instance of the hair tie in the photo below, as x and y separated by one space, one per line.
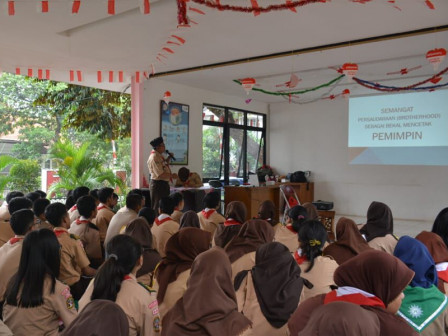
113 256
314 242
300 217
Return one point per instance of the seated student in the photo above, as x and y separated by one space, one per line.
140 230
187 179
440 225
33 196
35 300
39 211
15 204
164 227
311 210
42 193
178 201
241 249
115 201
77 193
116 281
439 252
21 222
424 307
210 218
99 318
269 292
349 242
190 219
315 268
295 217
235 216
378 231
105 213
94 193
88 232
74 261
4 212
360 282
174 270
148 214
122 218
219 315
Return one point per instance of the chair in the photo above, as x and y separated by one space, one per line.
290 197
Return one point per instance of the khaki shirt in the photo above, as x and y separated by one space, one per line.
40 224
161 233
321 276
139 305
176 215
211 223
246 262
6 232
386 244
119 221
174 292
157 166
90 238
286 237
73 213
102 220
42 320
73 257
9 263
4 212
193 181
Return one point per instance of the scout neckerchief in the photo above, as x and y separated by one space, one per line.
231 221
59 231
300 259
162 219
421 306
354 295
442 271
207 212
102 206
16 239
290 228
73 208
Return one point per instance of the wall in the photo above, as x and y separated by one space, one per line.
314 136
153 90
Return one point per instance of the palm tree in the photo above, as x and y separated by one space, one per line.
79 166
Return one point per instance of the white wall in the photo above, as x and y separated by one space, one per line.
153 90
314 137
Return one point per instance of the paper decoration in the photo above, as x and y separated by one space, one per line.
43 7
145 7
167 97
346 94
137 77
168 50
292 83
292 9
111 7
436 79
248 84
111 76
11 8
120 77
30 72
75 6
436 56
404 71
17 71
99 76
254 4
429 4
247 101
350 70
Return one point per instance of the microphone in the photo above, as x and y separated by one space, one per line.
170 155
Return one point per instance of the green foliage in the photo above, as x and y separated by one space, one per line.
5 161
211 155
33 143
25 176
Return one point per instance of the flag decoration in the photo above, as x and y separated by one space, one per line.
75 6
145 7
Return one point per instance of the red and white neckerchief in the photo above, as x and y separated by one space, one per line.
127 277
442 271
102 206
73 208
354 295
162 219
207 212
16 239
300 259
80 221
231 221
290 228
59 231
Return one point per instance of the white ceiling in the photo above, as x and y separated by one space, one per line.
130 41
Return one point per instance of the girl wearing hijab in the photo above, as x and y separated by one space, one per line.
116 281
241 249
378 231
210 312
140 230
441 225
315 268
174 270
269 293
311 210
189 219
99 318
349 242
361 281
35 300
235 216
439 253
424 307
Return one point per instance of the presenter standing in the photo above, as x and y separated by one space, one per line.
160 173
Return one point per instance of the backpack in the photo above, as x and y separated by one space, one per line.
298 176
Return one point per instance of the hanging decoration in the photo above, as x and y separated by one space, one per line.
404 71
296 99
248 84
345 94
145 7
43 7
429 4
75 6
292 83
436 56
167 97
11 8
350 70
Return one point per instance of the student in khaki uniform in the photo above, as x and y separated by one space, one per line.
77 193
187 179
74 261
39 212
164 226
35 300
210 218
178 201
17 203
116 281
21 223
87 232
105 213
4 212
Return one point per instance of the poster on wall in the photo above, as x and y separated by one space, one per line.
174 124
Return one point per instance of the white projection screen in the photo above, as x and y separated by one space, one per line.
399 129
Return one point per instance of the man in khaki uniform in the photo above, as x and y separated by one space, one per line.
159 169
74 261
17 203
164 226
210 218
187 179
105 213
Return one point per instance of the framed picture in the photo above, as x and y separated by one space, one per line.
174 128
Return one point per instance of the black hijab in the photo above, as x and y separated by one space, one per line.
379 221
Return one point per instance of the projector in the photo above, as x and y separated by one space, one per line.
323 205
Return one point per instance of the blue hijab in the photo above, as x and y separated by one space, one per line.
417 257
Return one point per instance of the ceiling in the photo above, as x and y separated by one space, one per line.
129 41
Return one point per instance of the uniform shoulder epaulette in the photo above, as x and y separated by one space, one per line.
149 289
75 237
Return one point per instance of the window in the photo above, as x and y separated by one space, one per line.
233 143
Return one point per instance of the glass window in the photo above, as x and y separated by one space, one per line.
212 158
236 117
236 145
255 144
255 120
211 113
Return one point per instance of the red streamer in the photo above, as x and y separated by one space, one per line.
255 5
99 76
17 71
111 76
44 6
111 7
47 74
39 73
79 75
137 77
30 72
146 7
72 75
75 6
120 76
182 19
11 8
